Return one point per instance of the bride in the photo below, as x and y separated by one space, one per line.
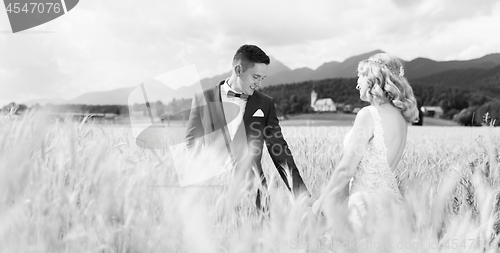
374 145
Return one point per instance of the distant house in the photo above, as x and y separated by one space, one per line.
432 111
322 105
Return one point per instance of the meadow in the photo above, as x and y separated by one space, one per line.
83 187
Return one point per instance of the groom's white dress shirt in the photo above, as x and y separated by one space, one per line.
233 116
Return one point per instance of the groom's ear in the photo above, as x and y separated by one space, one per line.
237 69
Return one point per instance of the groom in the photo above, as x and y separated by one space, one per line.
236 118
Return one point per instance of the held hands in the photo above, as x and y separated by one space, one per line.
309 202
317 206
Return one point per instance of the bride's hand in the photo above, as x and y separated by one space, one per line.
316 207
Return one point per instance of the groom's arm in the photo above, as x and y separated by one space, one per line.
282 156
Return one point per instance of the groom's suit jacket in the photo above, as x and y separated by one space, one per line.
207 126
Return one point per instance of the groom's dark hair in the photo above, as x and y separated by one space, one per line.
248 55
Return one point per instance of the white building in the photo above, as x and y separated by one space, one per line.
322 105
432 111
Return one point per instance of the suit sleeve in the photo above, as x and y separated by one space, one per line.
281 154
194 128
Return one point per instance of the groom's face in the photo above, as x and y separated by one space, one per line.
251 79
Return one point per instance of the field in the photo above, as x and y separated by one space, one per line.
343 119
72 187
312 119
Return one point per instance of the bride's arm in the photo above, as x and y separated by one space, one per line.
361 133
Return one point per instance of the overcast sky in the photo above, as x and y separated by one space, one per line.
103 45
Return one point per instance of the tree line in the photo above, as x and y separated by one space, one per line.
465 106
457 103
177 108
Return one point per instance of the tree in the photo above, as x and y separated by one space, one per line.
294 104
158 109
284 107
465 117
477 100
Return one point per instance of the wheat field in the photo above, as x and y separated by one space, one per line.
75 187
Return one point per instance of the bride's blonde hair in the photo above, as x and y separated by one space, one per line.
386 81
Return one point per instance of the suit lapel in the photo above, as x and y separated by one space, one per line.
219 111
220 119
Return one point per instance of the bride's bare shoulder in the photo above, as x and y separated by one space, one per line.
364 117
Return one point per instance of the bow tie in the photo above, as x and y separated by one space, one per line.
232 94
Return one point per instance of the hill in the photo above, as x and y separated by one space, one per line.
482 74
422 67
481 81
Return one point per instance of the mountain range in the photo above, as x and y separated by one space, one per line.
481 73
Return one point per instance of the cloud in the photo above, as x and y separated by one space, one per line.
29 70
407 4
102 45
288 23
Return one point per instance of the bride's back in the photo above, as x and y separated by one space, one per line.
395 130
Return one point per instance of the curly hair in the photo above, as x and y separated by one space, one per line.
386 81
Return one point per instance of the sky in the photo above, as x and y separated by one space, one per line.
105 45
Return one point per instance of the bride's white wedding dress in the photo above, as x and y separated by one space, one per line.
374 194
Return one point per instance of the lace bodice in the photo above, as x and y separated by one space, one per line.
374 174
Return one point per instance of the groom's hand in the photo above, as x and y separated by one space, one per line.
305 199
316 207
309 202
